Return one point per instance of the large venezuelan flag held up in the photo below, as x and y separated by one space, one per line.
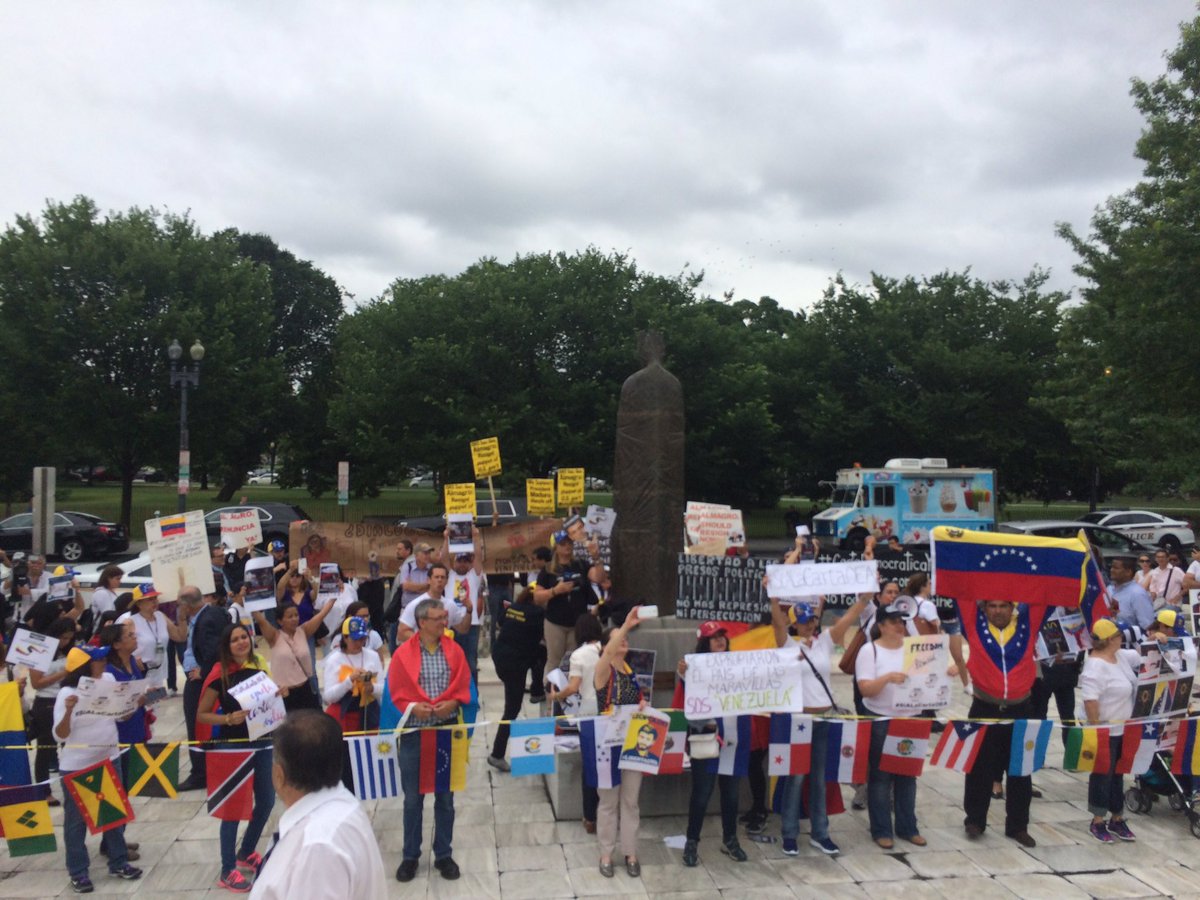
974 566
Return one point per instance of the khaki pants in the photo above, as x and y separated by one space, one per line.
559 640
618 811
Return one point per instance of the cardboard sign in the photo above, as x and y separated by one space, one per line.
485 457
460 498
744 682
645 738
722 588
32 650
926 663
260 584
711 528
539 496
570 487
241 529
816 579
179 553
259 696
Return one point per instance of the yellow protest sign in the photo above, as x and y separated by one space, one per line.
539 496
570 487
485 456
460 498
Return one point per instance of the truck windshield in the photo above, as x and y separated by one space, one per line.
843 495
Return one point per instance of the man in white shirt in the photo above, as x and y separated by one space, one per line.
439 576
325 848
468 587
1191 578
1166 582
30 588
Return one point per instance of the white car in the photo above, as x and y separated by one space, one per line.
262 478
1145 526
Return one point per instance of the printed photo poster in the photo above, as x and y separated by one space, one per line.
1173 659
178 548
260 584
116 699
1162 697
459 525
328 584
645 738
926 663
1064 631
597 526
241 529
642 663
259 696
61 588
32 650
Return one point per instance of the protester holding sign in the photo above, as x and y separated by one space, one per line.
123 665
296 589
153 632
562 590
291 662
46 684
879 670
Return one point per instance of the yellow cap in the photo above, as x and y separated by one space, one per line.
1167 617
1104 629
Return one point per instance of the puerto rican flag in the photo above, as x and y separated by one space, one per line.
905 746
848 750
790 750
959 746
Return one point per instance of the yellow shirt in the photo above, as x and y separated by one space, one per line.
1003 636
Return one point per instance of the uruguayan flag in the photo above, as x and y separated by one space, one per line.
374 764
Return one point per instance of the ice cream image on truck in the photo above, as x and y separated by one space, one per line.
906 498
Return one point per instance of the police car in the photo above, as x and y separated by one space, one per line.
1145 526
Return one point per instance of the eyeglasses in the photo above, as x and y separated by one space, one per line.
1143 560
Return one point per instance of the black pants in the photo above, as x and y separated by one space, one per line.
191 704
514 695
591 801
758 781
41 717
301 697
993 759
1058 682
703 782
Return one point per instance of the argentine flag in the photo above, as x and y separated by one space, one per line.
1030 738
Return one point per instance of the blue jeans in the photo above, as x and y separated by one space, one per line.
264 800
414 804
1106 790
312 654
704 779
75 836
887 792
793 790
470 646
392 627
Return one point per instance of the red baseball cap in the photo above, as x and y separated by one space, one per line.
710 629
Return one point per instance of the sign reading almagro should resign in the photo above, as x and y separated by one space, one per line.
722 588
815 579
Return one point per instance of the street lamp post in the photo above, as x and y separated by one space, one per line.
185 376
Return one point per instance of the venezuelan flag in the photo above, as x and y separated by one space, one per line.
1186 758
172 526
443 760
974 566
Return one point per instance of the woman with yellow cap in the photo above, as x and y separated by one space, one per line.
1107 686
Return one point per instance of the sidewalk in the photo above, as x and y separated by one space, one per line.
510 847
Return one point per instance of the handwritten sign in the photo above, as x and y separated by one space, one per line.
179 553
460 498
241 529
743 682
259 696
570 487
539 496
114 699
815 579
645 738
722 588
926 663
33 650
260 584
711 528
485 457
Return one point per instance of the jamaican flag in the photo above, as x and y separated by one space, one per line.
153 770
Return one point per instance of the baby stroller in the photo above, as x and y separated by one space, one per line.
1159 781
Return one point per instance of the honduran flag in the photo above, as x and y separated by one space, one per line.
531 745
443 760
599 762
905 746
848 748
1138 744
790 749
1030 740
959 746
734 735
974 566
674 749
1087 750
1186 758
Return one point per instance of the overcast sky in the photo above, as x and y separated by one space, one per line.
770 145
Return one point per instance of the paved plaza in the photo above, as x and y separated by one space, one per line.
510 847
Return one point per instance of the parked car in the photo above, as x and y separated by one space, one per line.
134 571
509 509
276 519
421 479
118 539
1111 542
76 535
1145 526
262 478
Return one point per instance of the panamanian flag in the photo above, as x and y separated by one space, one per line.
790 750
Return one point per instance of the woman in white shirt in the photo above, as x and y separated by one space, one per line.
879 671
1107 685
584 657
46 686
352 679
104 597
154 632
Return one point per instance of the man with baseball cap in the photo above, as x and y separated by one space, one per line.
279 557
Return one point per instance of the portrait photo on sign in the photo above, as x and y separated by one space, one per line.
645 738
459 528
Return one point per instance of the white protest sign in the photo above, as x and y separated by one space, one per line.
711 528
33 650
600 520
328 584
743 682
179 553
461 538
259 696
241 529
927 664
61 587
101 697
815 579
260 584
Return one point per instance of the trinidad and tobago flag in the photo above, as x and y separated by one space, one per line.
974 566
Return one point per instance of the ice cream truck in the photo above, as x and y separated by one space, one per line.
906 498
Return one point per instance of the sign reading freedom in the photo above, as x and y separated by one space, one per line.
743 682
815 579
721 588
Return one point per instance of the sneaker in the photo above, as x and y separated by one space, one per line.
253 862
825 845
407 870
733 850
1119 829
757 824
790 848
235 881
691 854
968 689
128 872
1100 832
499 762
448 867
82 885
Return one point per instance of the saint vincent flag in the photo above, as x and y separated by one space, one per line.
1087 750
25 818
974 566
154 770
14 758
100 797
443 760
230 776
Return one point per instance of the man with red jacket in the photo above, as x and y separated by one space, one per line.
429 678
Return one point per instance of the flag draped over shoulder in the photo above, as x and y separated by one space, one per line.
100 797
14 758
25 818
443 760
974 566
